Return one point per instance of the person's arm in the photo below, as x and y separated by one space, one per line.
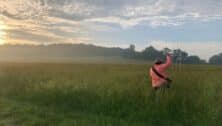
168 62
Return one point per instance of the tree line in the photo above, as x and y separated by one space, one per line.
178 55
77 51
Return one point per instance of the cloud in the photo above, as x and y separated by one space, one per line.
34 22
126 13
33 36
75 20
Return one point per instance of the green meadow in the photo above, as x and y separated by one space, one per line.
66 94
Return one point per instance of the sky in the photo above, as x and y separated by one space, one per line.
192 25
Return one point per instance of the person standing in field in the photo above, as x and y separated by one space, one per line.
158 73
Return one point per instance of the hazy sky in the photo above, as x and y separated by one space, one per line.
193 25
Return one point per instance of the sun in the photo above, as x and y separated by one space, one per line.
2 33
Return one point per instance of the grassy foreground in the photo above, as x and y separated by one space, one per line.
107 95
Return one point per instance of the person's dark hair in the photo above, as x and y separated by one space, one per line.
158 62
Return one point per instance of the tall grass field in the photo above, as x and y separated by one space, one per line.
47 94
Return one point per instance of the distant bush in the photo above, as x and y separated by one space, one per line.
216 59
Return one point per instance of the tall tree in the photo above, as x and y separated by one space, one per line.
130 52
150 53
216 59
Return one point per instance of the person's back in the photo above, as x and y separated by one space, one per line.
158 73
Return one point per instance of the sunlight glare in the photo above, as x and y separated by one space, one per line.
2 33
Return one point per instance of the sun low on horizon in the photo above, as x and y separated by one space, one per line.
114 23
2 33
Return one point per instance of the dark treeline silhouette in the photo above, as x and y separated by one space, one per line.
71 52
150 53
216 59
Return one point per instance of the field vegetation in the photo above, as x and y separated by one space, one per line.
43 94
